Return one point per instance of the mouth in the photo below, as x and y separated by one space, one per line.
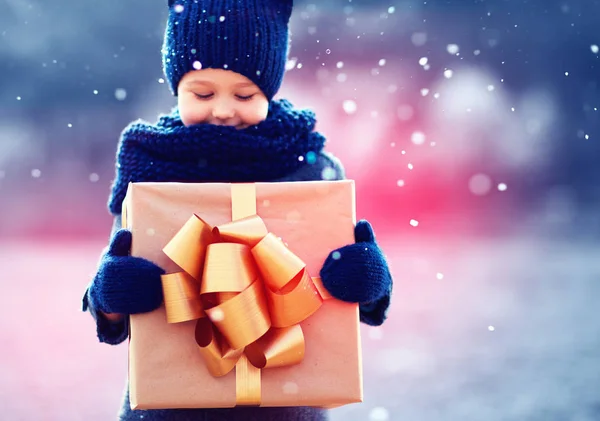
237 126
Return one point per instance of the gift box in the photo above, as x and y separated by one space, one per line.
231 331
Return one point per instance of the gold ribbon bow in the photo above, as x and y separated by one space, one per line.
247 291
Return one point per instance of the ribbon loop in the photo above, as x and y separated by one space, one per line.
244 318
182 297
278 348
228 268
296 305
188 247
291 293
277 264
249 230
220 359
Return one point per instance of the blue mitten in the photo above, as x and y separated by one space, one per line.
359 273
125 284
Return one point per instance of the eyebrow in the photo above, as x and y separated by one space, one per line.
242 84
193 83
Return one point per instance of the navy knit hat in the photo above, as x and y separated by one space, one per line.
249 37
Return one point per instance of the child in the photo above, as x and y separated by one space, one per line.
224 61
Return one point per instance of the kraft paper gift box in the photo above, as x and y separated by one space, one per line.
167 368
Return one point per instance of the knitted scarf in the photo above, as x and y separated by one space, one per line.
168 151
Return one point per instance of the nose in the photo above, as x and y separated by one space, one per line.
223 110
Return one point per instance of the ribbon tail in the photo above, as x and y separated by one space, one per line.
247 383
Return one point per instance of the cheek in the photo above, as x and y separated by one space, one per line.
254 113
191 111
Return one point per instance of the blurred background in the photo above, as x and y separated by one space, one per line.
470 127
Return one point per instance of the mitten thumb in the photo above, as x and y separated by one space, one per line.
120 245
363 232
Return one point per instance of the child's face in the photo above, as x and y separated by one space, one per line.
221 97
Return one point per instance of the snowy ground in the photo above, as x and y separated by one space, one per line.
509 332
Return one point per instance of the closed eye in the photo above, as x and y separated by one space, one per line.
207 96
244 97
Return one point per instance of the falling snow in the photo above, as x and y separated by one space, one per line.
419 39
405 112
328 173
417 138
291 63
452 49
379 414
120 94
480 184
217 315
349 106
290 388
